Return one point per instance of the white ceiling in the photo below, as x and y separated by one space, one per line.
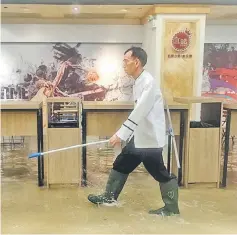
121 2
129 14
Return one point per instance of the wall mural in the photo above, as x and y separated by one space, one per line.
93 72
220 70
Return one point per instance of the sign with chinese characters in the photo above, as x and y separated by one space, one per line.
180 43
179 58
181 40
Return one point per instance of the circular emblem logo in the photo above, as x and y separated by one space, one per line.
181 40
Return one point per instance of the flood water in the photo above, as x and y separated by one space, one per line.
26 208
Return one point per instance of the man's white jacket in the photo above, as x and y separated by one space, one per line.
147 121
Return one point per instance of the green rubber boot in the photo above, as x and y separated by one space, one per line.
169 193
114 186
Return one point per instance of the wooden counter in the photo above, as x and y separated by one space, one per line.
24 118
122 105
111 105
105 118
100 125
231 105
19 118
196 99
23 105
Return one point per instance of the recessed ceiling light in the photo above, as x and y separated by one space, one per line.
124 10
75 10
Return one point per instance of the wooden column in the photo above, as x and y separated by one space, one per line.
179 48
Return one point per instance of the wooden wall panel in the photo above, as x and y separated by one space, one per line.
18 123
64 167
178 73
204 155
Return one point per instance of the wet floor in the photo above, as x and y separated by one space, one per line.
29 209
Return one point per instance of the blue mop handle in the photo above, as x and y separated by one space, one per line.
33 155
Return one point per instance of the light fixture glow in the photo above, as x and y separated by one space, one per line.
107 68
76 10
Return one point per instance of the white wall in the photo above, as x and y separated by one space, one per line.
149 45
221 33
72 33
215 33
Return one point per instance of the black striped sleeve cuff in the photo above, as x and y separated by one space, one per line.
128 127
132 122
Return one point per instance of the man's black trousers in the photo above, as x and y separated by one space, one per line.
152 159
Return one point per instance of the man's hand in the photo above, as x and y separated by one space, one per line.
115 140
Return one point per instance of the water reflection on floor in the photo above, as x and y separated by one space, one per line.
29 209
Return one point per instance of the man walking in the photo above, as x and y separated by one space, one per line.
145 130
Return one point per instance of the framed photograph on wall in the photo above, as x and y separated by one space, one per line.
220 70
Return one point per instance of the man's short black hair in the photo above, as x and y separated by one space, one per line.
139 53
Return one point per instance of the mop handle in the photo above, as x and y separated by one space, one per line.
66 148
173 137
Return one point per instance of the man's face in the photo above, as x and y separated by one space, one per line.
130 63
